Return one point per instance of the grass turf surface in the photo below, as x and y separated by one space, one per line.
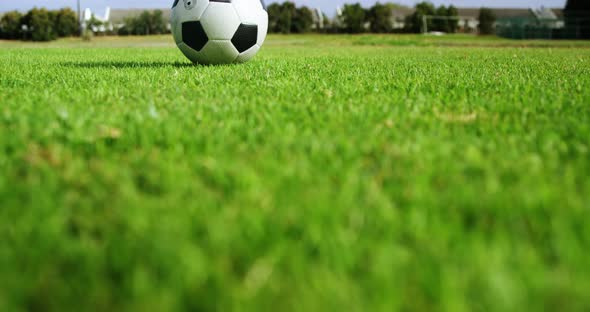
329 173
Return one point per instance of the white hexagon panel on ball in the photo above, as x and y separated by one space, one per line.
219 31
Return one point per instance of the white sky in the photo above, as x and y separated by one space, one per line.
327 6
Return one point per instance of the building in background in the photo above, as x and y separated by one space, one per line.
116 19
517 23
97 23
542 23
319 20
398 19
118 16
469 17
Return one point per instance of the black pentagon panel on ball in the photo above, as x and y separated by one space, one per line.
193 35
175 3
245 37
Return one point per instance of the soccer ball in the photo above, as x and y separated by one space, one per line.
219 31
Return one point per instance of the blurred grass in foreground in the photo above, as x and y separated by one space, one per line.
329 173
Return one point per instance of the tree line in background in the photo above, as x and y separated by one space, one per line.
415 23
146 23
39 24
577 17
286 18
45 25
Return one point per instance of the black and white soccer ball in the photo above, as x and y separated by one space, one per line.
219 31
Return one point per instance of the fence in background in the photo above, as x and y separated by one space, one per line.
569 26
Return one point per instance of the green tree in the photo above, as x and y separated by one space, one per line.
40 25
582 6
11 25
288 11
446 20
281 17
133 26
487 18
66 23
441 24
157 25
143 23
452 11
577 18
93 23
302 21
354 18
380 17
274 18
414 22
147 23
327 22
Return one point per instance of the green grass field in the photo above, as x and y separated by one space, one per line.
353 173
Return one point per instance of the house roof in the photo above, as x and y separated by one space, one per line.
403 11
499 12
558 12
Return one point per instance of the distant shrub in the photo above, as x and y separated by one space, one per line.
87 35
446 25
414 22
577 18
66 23
487 18
380 17
147 23
281 17
452 11
302 21
287 18
39 25
354 18
10 25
